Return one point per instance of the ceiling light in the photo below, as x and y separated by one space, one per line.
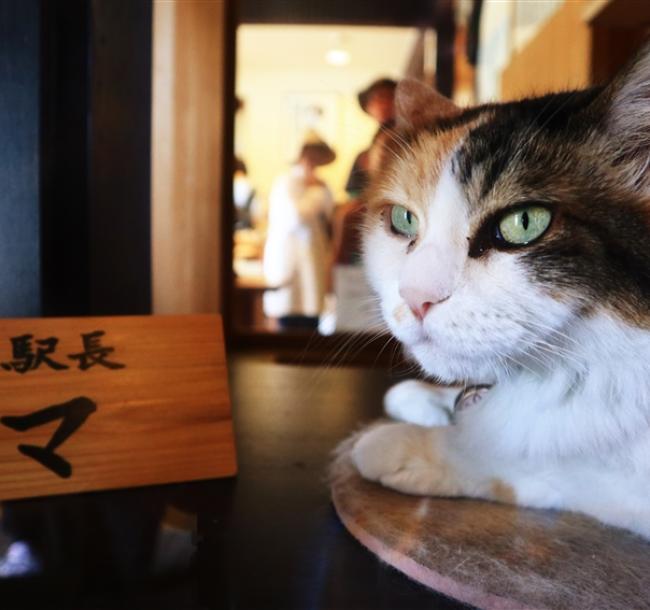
337 57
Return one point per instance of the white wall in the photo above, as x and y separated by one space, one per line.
266 137
281 65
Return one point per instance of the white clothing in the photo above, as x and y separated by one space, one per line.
296 250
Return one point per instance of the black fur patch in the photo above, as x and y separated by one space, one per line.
515 126
547 149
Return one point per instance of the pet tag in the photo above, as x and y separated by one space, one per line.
470 396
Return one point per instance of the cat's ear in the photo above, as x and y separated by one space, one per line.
627 116
417 105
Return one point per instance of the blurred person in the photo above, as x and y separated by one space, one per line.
350 304
377 100
348 220
296 253
244 196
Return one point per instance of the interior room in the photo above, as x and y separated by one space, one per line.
240 238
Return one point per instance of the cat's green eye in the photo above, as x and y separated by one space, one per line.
403 221
524 225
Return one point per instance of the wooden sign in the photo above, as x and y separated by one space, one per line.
101 403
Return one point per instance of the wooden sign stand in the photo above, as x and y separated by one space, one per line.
104 403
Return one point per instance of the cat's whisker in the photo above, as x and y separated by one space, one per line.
519 363
387 342
499 354
389 149
559 339
396 137
556 350
550 351
396 349
555 331
368 342
346 343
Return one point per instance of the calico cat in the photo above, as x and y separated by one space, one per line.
508 245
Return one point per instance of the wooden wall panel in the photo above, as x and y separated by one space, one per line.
620 29
586 42
95 138
188 127
66 145
613 48
75 117
119 181
557 58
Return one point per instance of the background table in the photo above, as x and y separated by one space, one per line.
267 539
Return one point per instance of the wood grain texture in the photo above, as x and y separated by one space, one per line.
558 58
163 418
617 13
494 556
119 155
582 44
187 155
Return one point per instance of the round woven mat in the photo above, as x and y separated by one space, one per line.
491 555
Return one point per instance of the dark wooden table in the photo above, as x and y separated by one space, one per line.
267 539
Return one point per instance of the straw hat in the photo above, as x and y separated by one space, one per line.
314 147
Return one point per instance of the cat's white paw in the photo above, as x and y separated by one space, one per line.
417 402
404 457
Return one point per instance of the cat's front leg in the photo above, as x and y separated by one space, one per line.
417 402
419 460
434 461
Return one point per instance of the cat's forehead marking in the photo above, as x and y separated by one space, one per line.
490 144
523 147
415 169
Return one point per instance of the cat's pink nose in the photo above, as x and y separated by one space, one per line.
420 311
419 301
427 279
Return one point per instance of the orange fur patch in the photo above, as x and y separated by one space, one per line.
502 492
400 312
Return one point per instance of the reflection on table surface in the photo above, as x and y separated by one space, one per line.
267 539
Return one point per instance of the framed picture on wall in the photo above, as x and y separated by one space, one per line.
317 111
